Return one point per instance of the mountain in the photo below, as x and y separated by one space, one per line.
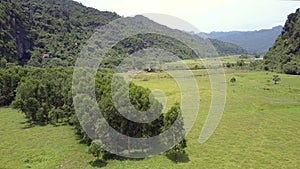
178 43
284 56
252 41
14 29
33 28
226 48
140 32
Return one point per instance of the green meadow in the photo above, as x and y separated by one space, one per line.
260 128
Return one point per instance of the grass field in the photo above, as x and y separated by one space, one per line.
38 147
260 128
232 59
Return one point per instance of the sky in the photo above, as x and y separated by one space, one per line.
205 15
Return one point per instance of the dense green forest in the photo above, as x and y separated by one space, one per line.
59 28
284 56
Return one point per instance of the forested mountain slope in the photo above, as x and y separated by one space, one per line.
284 56
32 28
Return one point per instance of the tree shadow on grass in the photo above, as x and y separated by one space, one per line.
28 124
120 158
178 157
98 163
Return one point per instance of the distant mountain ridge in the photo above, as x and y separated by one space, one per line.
252 41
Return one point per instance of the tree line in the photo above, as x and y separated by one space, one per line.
45 97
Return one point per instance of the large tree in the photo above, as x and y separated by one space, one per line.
177 152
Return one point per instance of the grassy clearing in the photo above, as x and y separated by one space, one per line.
38 147
233 59
260 128
198 63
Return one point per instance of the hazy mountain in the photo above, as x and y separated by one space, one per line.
226 48
171 40
284 56
252 41
141 32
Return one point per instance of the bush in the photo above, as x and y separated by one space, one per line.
276 79
291 68
233 80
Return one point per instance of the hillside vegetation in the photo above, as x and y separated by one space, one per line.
58 29
284 56
225 48
32 28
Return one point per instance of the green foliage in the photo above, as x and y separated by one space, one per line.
276 79
95 150
44 95
9 80
143 41
225 48
240 63
139 97
32 28
291 68
256 65
245 62
14 28
284 56
233 80
175 154
3 63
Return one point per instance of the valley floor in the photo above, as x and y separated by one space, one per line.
260 128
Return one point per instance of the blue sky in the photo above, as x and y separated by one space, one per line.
207 15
